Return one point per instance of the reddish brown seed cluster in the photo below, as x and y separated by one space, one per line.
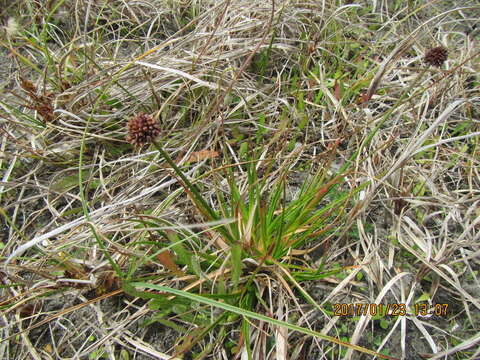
436 56
142 129
43 104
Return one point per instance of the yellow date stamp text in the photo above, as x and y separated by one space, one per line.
391 309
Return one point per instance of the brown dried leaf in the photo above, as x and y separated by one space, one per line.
28 86
201 155
167 259
338 90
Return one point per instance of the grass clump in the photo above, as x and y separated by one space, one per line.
258 235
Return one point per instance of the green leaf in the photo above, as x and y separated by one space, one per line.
69 182
236 260
124 355
243 149
422 298
261 129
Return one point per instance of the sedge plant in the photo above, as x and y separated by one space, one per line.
258 233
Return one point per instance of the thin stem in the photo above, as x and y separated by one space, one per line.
187 182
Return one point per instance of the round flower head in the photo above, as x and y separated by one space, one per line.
436 56
142 129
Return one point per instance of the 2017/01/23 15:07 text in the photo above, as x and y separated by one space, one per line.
392 309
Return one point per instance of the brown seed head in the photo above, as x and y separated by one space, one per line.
142 129
436 56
